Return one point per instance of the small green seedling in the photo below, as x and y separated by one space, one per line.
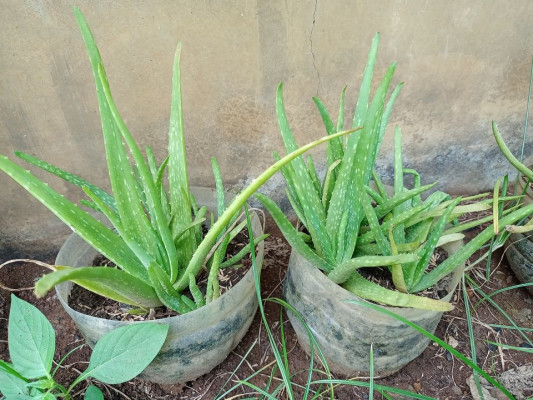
119 356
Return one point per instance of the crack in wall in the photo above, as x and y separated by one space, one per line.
311 48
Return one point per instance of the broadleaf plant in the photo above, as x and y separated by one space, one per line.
156 238
115 358
352 221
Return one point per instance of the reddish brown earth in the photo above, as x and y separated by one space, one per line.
435 373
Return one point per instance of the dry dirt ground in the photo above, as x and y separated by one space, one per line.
435 373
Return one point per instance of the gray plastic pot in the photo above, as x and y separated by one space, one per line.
519 254
345 331
197 341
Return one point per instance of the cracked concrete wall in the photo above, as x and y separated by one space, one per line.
463 65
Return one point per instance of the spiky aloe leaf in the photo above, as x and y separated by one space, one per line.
371 291
177 169
105 281
160 282
291 234
205 246
122 178
470 248
89 228
71 178
303 187
507 153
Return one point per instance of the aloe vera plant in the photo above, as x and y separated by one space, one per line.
352 221
156 240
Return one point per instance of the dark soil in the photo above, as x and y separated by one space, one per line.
435 373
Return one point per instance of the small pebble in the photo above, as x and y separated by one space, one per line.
449 356
526 345
417 386
457 391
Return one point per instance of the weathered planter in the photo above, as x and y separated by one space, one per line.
197 341
519 254
345 331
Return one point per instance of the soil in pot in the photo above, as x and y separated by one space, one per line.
87 302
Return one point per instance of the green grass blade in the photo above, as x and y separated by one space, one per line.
108 282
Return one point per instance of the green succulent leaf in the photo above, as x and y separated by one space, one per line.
105 281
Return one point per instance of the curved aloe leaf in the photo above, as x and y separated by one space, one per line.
342 272
105 281
371 291
470 248
291 234
507 153
89 228
205 246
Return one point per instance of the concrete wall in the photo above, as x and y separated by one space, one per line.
463 63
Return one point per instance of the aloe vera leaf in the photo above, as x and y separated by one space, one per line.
313 175
365 289
390 204
334 149
495 206
159 220
387 113
291 234
296 207
329 183
71 178
242 253
205 246
340 118
89 228
121 176
375 229
180 203
139 251
417 200
472 224
213 288
382 190
398 230
507 153
428 248
396 269
219 186
341 236
453 237
364 91
356 163
470 248
405 217
373 249
166 293
196 293
342 272
374 195
197 221
303 186
105 281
